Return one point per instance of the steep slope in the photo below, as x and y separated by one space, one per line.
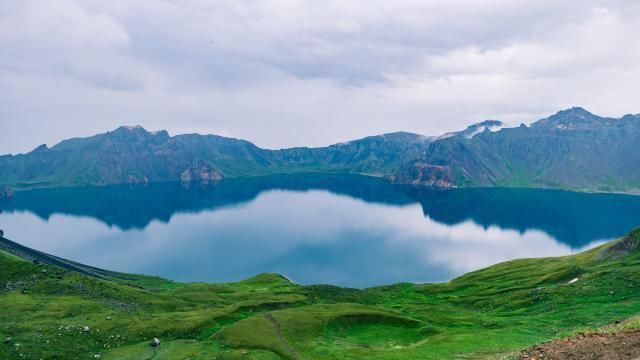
371 155
572 149
125 155
134 155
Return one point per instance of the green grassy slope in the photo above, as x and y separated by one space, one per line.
484 314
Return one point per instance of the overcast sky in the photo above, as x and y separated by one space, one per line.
291 73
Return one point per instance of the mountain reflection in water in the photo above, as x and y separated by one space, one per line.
342 229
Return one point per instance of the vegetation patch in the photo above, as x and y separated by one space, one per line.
50 312
376 330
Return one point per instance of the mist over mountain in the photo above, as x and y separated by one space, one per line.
572 149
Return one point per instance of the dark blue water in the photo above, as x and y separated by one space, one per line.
338 229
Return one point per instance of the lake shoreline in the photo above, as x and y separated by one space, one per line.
25 187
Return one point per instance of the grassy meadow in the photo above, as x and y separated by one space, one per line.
54 312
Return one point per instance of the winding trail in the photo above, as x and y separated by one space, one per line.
276 324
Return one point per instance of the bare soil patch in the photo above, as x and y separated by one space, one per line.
602 346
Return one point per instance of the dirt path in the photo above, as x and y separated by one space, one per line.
614 346
276 324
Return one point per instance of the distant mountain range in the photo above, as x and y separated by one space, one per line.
572 149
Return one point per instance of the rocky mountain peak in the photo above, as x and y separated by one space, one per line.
137 132
573 118
128 129
40 148
477 128
487 123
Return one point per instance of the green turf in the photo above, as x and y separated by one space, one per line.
484 314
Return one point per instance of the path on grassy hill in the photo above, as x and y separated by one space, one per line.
278 329
624 345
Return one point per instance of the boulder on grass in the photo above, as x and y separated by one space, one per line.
155 342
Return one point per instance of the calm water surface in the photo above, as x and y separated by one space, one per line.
339 229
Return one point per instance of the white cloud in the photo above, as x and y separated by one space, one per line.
287 73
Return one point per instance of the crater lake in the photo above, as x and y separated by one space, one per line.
345 230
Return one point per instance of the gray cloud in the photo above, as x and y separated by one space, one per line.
288 73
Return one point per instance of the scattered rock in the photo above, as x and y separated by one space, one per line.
155 342
86 329
8 340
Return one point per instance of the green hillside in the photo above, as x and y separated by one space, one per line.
55 309
134 155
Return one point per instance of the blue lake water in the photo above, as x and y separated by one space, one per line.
344 230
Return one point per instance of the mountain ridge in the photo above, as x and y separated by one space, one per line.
572 149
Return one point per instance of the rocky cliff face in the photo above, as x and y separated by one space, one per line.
202 173
421 173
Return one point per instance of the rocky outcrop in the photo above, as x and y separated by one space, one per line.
434 175
426 174
202 173
621 248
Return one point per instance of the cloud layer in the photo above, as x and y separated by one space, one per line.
287 73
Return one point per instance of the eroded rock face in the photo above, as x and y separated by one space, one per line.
426 174
628 244
434 175
202 173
